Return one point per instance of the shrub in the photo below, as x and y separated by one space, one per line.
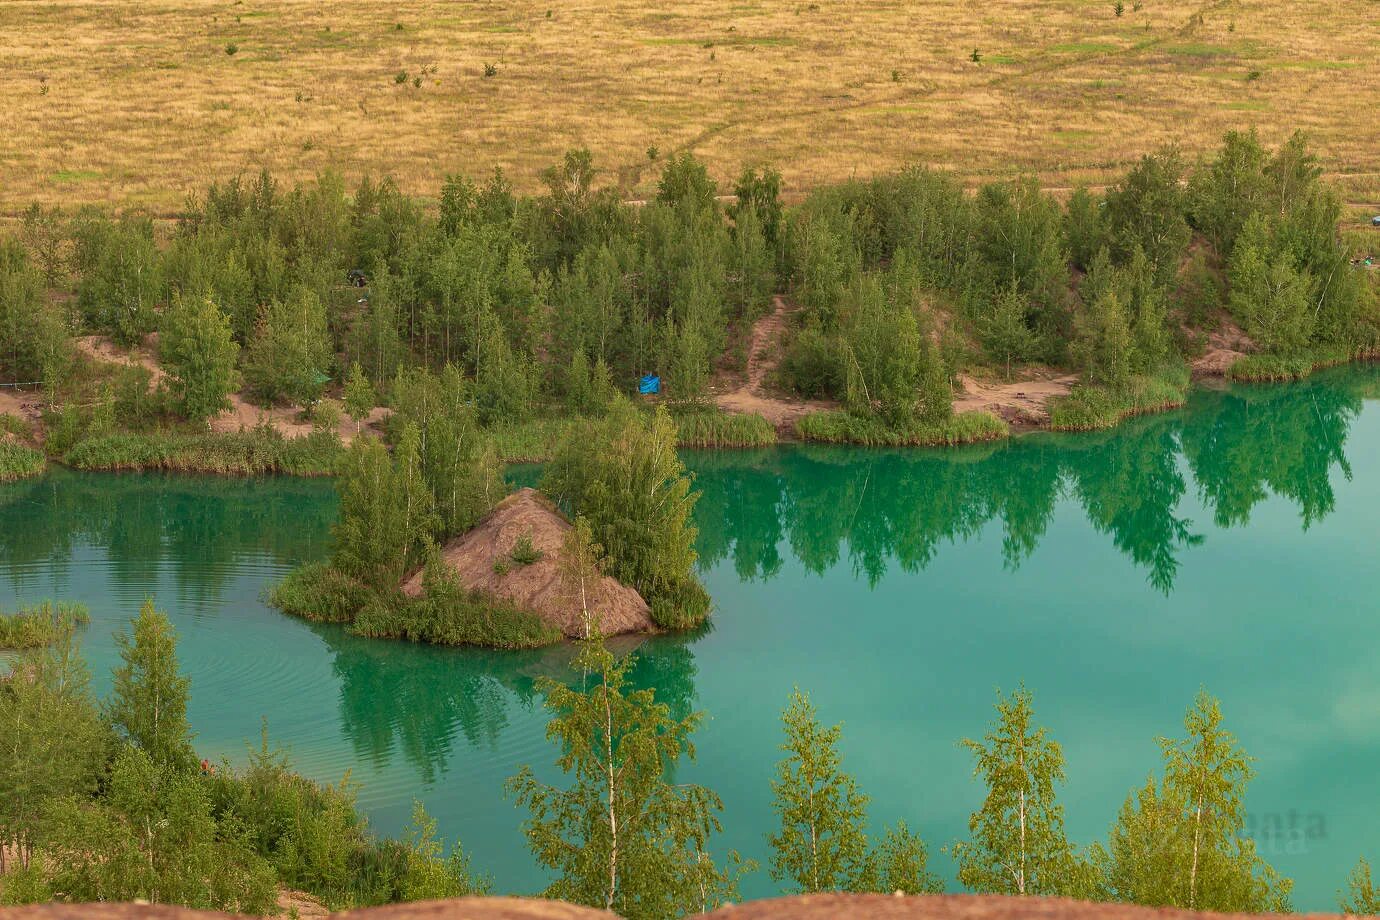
40 625
319 593
716 428
524 553
18 461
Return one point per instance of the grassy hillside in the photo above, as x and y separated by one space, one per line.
138 104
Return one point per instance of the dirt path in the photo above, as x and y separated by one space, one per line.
242 414
1023 401
764 354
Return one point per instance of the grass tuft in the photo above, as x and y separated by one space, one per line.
838 426
1090 407
257 452
41 624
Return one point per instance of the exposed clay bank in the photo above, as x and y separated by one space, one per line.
1228 544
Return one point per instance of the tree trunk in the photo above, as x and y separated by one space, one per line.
613 795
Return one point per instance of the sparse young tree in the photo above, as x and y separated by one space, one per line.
359 395
199 354
822 844
1360 897
1018 844
621 836
1004 329
582 561
148 707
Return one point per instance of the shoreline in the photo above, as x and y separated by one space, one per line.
225 463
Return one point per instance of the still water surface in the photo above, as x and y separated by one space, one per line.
1231 545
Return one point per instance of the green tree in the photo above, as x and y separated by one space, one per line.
1145 212
1269 296
148 707
822 845
1182 845
386 513
154 837
198 353
52 743
1004 330
1103 345
34 340
620 836
1360 897
899 863
290 352
431 873
121 279
622 473
359 395
1018 844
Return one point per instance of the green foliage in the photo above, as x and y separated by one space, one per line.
458 465
148 706
822 845
1146 213
53 745
319 592
290 352
1004 328
1084 233
256 452
41 624
1182 845
716 428
196 349
620 836
1102 345
524 553
622 474
841 427
34 342
153 837
1017 843
899 862
386 511
121 278
18 461
1360 898
359 395
1091 407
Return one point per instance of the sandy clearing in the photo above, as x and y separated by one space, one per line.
1022 401
764 354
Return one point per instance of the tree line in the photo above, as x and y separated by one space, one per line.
108 802
557 301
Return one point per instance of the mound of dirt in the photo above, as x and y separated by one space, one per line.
482 560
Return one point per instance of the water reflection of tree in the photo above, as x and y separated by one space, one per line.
1245 443
885 508
417 700
195 525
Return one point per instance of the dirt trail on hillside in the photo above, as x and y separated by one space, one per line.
764 354
242 414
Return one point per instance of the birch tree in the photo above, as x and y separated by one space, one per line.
1017 844
822 845
621 836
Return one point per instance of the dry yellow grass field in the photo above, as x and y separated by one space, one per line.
138 102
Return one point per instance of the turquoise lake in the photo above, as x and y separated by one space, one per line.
1231 545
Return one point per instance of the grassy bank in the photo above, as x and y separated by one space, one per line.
1090 408
257 452
18 461
712 427
1265 368
40 625
445 615
837 426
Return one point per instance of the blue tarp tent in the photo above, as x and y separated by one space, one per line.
649 384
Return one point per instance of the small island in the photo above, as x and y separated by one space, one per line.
429 546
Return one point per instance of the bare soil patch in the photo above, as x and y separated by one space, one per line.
242 414
764 355
482 560
1022 401
1225 345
